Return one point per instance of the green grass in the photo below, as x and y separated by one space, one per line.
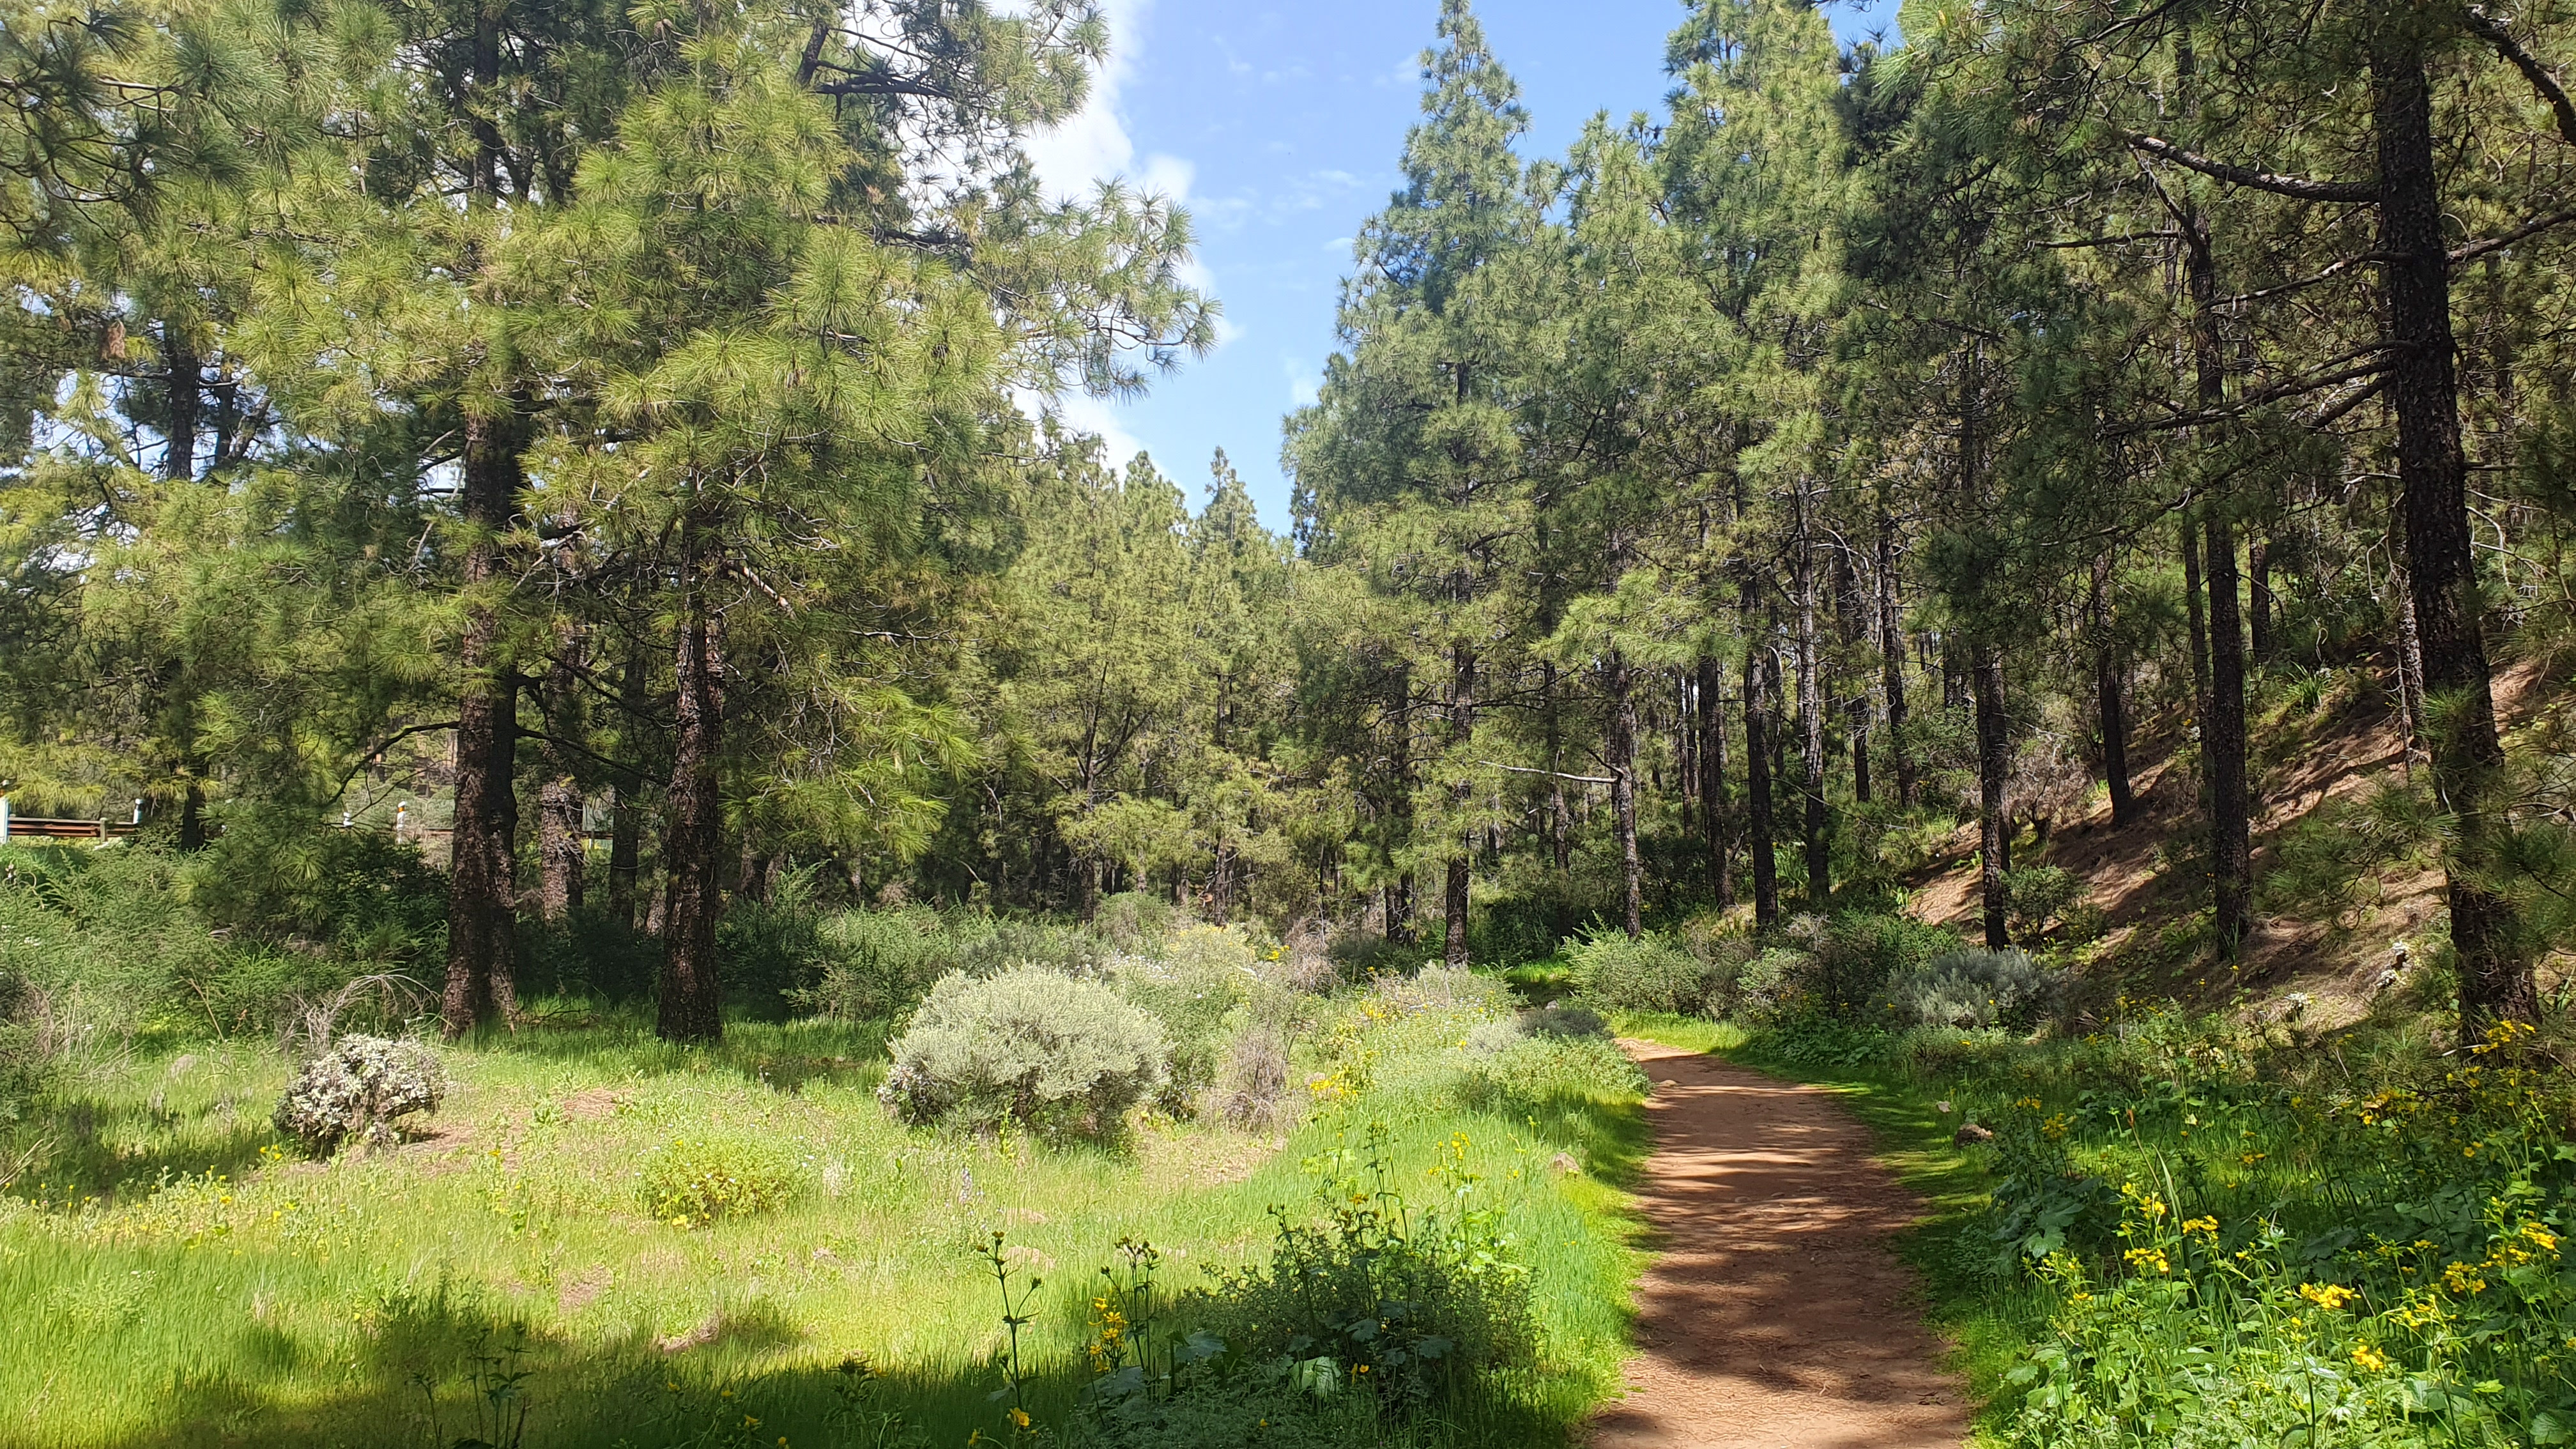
182 1280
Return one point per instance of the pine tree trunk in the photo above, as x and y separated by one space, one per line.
482 930
2496 980
561 846
626 822
1399 900
692 1000
2222 728
186 381
2110 689
2223 740
1994 764
2410 673
1757 774
2196 627
1623 791
1713 822
1860 751
1560 820
1891 660
1462 727
2258 600
1811 722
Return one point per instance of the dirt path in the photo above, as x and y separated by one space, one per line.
1777 1315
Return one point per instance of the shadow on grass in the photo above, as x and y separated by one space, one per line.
441 1374
73 1146
618 1039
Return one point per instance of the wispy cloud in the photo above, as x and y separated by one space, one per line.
1095 145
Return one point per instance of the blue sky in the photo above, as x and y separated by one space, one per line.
1279 126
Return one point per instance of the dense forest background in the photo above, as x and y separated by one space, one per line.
608 448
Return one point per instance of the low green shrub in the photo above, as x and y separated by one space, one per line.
1648 974
1559 1018
1530 1073
1766 986
771 952
985 945
1415 1307
1194 985
1132 920
2039 896
691 1182
1968 989
592 953
281 876
877 965
25 1058
1050 1052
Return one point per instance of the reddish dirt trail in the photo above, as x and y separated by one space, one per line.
1777 1315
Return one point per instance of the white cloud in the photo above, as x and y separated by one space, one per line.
1096 146
1302 381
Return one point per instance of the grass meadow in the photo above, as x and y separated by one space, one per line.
181 1278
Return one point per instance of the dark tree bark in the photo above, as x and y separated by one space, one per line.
187 388
691 997
1757 773
1994 764
2258 600
2231 871
2222 728
2496 980
1891 659
1621 683
482 929
626 822
1811 722
1560 820
1399 897
1462 727
2110 696
2196 624
2410 673
561 847
1713 821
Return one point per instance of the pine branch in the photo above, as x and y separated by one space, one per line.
1551 774
2493 31
2532 228
2298 187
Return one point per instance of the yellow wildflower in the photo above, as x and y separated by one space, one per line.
2370 1360
2328 1296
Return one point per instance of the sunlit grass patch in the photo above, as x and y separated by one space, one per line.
189 1281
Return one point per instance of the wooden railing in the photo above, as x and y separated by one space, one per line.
29 829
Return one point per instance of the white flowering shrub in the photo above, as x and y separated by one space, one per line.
359 1090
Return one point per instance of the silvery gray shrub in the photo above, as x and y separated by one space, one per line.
1033 1046
1968 989
358 1089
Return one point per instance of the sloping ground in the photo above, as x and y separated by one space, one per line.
1776 1316
2300 764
